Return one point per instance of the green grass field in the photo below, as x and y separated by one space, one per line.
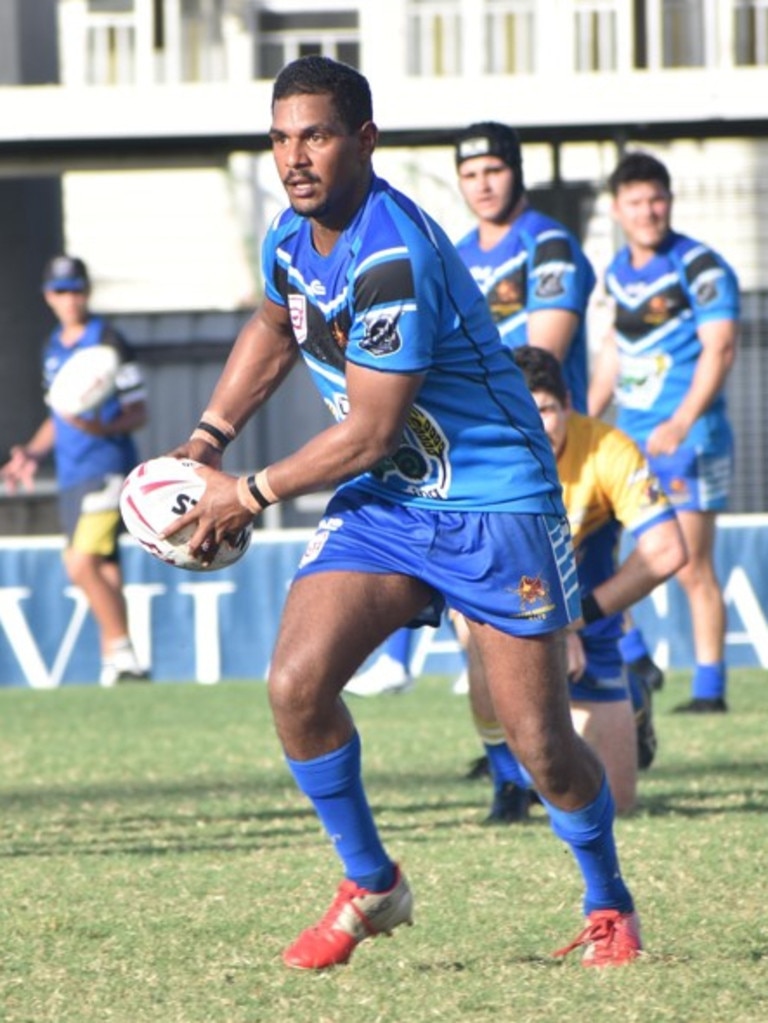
156 858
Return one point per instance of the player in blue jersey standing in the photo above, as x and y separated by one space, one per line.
436 440
666 363
93 454
537 282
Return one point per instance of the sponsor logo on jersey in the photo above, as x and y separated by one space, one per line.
297 306
706 292
381 336
550 285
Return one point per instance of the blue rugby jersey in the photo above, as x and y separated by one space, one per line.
78 455
538 264
393 296
659 308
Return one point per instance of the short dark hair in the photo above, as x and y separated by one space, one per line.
639 167
542 371
315 75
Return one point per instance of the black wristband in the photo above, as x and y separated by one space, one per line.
218 435
590 609
256 493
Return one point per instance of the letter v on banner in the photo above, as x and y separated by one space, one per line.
21 641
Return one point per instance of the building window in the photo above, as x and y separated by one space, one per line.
510 37
281 38
110 43
595 36
683 33
751 32
434 37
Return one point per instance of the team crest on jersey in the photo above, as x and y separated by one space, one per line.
550 285
657 310
339 335
421 464
381 335
297 306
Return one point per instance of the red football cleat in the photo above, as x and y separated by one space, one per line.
611 939
354 914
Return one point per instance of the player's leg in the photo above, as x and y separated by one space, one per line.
331 623
609 728
390 671
511 793
91 520
526 679
705 600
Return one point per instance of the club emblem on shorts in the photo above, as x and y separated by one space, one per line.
678 491
297 305
533 593
532 589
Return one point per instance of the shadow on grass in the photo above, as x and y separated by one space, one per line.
154 818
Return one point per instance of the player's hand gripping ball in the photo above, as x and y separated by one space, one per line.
164 489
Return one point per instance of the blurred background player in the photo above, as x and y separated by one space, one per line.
537 281
93 453
607 486
666 363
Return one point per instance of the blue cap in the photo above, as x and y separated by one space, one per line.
65 273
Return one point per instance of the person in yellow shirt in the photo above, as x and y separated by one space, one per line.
607 487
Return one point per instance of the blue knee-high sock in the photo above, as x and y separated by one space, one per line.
708 681
398 646
334 784
589 833
635 691
632 646
505 767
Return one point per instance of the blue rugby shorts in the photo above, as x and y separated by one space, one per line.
515 572
694 480
592 689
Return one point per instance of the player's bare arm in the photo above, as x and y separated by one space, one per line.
552 329
132 417
604 377
718 340
658 554
261 357
378 408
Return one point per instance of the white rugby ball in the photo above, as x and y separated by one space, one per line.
164 489
85 381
